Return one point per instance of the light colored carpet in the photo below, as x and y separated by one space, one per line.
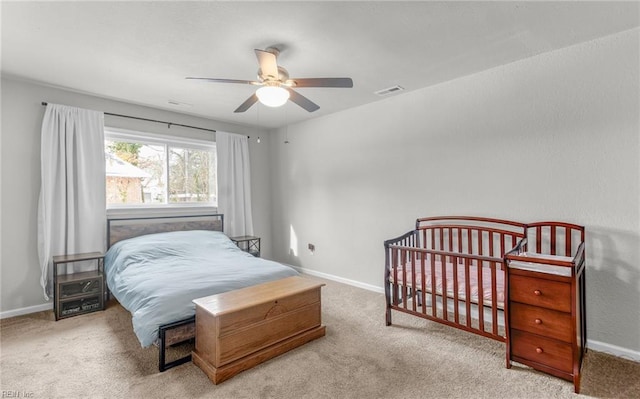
98 356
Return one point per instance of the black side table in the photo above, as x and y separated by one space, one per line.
78 293
249 244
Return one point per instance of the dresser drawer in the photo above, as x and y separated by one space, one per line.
546 351
540 292
541 321
80 305
89 286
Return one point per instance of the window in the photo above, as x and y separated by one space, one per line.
152 170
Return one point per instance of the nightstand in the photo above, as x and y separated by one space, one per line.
249 244
78 293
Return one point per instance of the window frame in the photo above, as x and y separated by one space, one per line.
115 134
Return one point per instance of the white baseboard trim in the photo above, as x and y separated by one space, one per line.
613 350
27 310
347 281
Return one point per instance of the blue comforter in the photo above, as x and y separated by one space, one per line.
156 276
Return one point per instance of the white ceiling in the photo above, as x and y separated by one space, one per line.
140 52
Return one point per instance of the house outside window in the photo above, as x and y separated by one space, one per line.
147 170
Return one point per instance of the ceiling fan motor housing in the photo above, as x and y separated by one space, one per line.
283 75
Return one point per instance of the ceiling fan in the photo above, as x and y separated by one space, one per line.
276 86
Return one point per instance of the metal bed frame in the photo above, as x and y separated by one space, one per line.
181 330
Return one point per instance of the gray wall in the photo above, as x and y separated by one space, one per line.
553 137
20 171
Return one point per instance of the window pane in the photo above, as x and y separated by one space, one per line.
192 175
135 173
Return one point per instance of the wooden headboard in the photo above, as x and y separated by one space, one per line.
122 228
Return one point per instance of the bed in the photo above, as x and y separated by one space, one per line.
156 267
450 269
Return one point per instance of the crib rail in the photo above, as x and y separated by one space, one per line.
408 239
564 242
429 270
424 298
469 235
555 238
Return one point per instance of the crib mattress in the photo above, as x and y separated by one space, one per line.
406 278
541 267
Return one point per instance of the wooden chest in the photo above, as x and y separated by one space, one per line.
239 329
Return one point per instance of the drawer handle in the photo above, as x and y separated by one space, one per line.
539 350
537 292
538 321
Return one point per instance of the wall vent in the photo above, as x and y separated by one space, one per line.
179 104
389 90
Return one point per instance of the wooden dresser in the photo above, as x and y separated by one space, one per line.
546 326
239 329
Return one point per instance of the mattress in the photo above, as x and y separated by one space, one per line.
541 267
156 276
473 280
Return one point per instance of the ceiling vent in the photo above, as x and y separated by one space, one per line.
179 104
389 90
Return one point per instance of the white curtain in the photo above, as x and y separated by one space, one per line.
234 183
71 208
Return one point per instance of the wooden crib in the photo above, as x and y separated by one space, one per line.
523 284
449 269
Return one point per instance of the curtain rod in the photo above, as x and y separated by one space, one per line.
169 124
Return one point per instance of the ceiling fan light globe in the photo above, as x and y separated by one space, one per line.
272 96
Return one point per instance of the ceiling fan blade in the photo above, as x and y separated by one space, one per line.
247 104
322 82
302 101
249 82
268 64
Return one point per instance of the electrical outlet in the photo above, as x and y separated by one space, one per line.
312 248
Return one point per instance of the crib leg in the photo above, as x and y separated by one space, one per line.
390 291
